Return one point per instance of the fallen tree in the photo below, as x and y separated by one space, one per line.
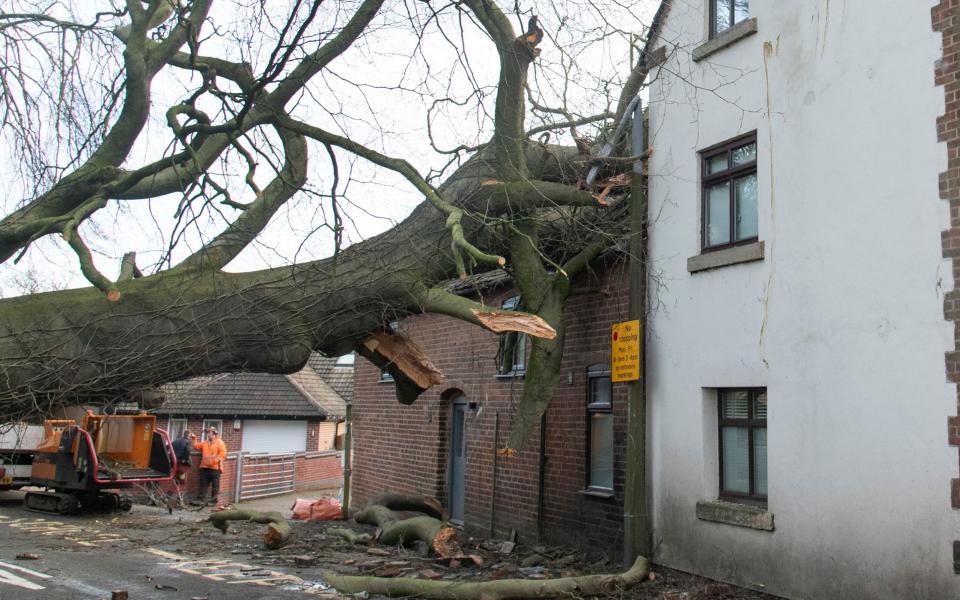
518 203
503 589
275 535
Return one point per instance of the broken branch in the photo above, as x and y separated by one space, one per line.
585 585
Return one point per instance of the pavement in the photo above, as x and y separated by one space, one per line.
283 503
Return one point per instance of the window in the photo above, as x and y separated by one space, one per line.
512 353
215 423
600 428
743 445
724 14
175 428
729 175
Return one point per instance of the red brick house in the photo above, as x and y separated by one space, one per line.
283 430
560 487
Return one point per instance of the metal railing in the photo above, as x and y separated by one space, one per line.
260 475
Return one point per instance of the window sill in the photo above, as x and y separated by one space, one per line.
511 375
724 258
719 42
739 515
597 492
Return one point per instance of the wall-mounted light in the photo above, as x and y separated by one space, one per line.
236 423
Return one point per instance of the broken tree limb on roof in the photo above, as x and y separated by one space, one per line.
585 585
276 534
499 321
398 355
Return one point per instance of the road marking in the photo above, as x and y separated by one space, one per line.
24 570
10 578
76 534
226 571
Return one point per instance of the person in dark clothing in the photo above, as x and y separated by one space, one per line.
181 449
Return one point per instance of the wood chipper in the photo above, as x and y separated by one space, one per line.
82 466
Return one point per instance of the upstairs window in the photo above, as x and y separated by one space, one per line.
729 176
743 445
600 428
724 14
512 351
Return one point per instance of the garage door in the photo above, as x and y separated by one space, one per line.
274 436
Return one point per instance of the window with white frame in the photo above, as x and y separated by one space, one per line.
600 428
743 445
724 14
512 350
215 423
176 427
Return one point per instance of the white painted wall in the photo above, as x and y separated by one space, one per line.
842 321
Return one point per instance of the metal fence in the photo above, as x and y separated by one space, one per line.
260 475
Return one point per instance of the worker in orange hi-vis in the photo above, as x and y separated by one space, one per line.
212 454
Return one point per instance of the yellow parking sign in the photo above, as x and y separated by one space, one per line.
625 351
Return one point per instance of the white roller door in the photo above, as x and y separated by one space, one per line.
274 437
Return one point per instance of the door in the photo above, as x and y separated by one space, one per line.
458 458
273 437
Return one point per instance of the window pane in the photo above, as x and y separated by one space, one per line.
600 391
717 163
718 214
520 353
736 457
735 404
740 10
760 460
601 450
745 190
745 154
760 406
721 15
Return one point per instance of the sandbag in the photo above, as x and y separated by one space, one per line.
324 509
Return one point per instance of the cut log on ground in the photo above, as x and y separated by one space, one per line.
437 533
503 589
276 534
351 536
424 504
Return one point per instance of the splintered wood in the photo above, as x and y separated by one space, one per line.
500 321
405 356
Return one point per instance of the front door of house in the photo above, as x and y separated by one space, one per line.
458 458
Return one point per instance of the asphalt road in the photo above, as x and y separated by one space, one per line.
88 557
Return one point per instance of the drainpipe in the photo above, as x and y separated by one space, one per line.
636 518
542 476
347 443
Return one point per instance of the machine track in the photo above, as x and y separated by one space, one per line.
52 502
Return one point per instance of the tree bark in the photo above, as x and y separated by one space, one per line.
437 533
276 534
586 585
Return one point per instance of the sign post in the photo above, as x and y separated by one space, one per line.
625 351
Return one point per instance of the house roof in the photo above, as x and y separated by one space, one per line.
340 378
304 394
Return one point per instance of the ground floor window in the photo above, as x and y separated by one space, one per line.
176 427
743 445
600 428
215 423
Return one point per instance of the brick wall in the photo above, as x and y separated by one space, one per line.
405 448
313 471
946 20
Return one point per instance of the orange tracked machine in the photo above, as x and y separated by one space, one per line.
86 466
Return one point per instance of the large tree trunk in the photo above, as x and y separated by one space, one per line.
565 587
65 346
